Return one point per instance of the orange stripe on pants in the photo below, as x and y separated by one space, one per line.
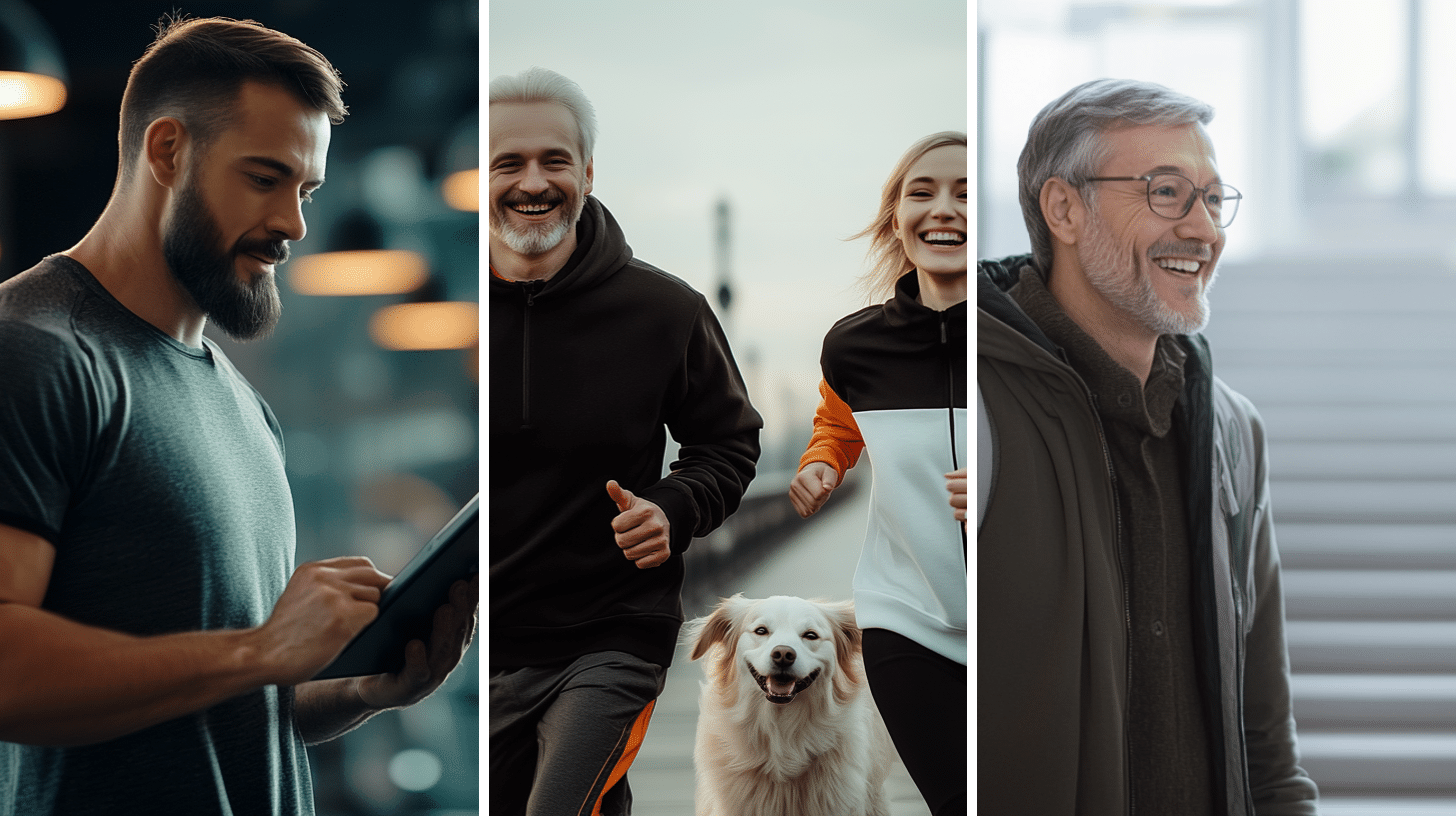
634 744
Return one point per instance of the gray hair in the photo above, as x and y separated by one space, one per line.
541 85
1065 140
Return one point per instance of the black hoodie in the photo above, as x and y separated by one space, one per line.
588 371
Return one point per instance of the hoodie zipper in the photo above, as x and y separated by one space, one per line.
949 388
950 409
530 289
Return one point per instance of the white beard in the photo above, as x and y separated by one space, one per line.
1126 285
536 239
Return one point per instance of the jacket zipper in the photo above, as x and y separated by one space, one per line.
530 289
950 413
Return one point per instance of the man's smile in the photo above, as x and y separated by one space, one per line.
532 209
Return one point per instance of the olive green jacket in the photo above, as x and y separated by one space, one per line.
1051 602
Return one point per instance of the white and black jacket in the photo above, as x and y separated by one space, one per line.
895 383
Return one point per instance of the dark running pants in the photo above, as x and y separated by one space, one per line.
562 738
922 698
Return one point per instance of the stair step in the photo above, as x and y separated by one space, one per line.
1375 646
1384 806
1347 335
1388 701
1264 288
1296 418
1370 594
1347 761
1365 460
1366 546
1362 502
1341 382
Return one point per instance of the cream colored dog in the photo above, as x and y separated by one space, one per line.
786 724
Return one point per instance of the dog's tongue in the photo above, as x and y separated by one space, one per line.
780 688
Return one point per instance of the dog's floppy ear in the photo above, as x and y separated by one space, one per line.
847 651
847 636
717 627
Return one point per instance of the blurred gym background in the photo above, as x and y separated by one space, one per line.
1335 312
373 370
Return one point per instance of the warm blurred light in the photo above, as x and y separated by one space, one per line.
358 272
426 326
23 95
462 190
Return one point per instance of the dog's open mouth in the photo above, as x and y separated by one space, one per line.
781 690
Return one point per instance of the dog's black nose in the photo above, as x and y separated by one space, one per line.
783 656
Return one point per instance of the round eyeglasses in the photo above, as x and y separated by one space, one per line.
1171 196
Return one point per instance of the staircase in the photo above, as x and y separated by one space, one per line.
1353 367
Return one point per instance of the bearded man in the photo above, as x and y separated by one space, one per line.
594 356
155 654
1130 620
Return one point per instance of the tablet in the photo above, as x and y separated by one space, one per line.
408 603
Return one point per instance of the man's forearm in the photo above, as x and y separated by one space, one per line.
65 683
328 709
711 477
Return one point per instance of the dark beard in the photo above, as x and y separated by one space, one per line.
245 311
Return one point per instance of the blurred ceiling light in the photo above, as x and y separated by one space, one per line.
356 262
32 77
459 162
358 272
23 95
431 326
462 190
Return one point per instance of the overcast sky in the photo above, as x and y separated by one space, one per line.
793 110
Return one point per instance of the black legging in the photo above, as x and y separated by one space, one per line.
922 698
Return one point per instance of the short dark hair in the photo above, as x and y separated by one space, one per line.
195 68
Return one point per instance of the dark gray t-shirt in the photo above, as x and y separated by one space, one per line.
156 471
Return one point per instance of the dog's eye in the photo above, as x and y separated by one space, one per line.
811 635
762 630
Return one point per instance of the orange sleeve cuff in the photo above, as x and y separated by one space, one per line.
836 441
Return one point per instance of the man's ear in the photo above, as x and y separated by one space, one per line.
1063 209
588 188
162 148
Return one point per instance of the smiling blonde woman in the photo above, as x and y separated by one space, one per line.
895 382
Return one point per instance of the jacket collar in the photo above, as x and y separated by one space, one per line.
905 310
994 279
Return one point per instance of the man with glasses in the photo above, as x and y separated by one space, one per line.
1131 632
